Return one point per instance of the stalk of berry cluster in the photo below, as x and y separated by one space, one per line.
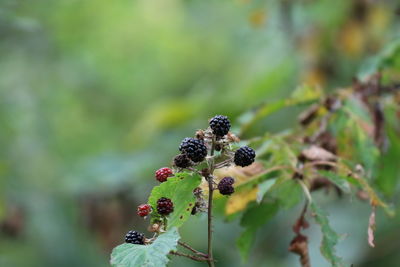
210 201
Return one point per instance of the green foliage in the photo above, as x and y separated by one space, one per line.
153 255
287 192
337 179
329 237
386 59
180 190
254 217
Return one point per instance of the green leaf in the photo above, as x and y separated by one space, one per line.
389 172
245 241
329 237
254 217
385 59
337 179
287 191
180 190
263 188
154 255
300 95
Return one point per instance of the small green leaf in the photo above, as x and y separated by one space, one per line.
154 255
263 188
180 190
245 241
329 237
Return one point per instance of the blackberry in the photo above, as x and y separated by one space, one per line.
165 206
134 237
194 149
182 161
225 186
163 174
220 125
244 156
143 210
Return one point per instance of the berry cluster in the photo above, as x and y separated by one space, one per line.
215 141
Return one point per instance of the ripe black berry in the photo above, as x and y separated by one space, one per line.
194 149
182 161
225 186
220 125
134 237
165 206
244 156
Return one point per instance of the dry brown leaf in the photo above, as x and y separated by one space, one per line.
316 153
371 228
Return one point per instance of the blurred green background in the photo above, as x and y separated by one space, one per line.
96 95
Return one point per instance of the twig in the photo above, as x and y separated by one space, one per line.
305 189
195 258
192 249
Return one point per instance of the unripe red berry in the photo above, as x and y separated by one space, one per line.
163 174
143 210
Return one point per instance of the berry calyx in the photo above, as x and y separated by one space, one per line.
194 149
134 237
225 186
244 156
163 174
143 210
182 161
220 125
165 206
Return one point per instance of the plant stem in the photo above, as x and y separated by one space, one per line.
210 201
195 258
192 249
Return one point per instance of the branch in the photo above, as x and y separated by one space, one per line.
210 202
192 249
195 258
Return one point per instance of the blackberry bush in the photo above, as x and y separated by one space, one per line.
188 188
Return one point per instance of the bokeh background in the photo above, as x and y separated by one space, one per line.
96 95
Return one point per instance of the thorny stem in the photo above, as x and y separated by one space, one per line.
210 259
195 258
